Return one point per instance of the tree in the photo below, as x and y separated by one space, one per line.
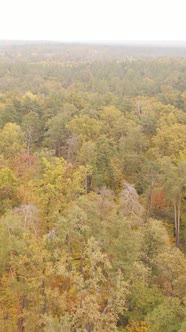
129 202
174 182
57 133
168 316
94 312
22 291
84 126
169 141
132 147
170 271
8 189
104 173
155 241
109 118
32 128
58 184
137 326
11 140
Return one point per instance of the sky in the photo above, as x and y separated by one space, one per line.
93 20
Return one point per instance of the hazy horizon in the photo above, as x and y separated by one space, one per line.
90 21
100 42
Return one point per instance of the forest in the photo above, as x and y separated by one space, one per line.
92 188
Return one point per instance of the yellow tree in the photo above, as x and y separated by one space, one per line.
84 126
11 140
58 184
170 141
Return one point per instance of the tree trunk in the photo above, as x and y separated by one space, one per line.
177 217
178 222
149 200
21 319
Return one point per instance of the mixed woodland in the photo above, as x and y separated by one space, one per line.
92 188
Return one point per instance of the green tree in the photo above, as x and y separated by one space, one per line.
168 316
104 172
57 133
174 182
8 189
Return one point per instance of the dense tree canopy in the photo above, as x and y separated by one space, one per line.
92 189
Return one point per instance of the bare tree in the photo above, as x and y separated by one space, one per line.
129 202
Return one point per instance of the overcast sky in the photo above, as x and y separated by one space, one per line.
93 20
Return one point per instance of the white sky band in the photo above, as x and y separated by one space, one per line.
93 20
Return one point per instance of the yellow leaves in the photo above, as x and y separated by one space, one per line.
10 140
182 155
88 128
110 118
61 177
8 306
170 141
7 177
137 326
30 96
110 114
58 185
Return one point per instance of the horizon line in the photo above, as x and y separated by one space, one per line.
102 42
